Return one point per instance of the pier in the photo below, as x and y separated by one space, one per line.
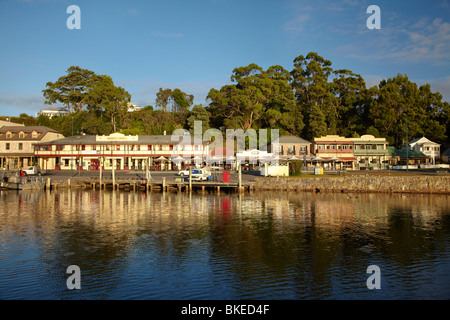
136 184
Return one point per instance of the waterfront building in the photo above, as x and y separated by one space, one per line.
410 157
53 112
427 147
17 144
370 152
335 151
290 147
123 152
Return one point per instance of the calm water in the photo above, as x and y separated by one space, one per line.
129 245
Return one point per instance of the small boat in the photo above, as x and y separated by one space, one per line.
13 181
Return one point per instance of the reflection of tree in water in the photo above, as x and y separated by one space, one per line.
315 236
263 245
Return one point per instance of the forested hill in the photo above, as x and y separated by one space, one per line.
310 100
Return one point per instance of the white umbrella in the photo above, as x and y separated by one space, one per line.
160 159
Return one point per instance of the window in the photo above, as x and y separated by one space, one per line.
8 135
34 134
21 135
291 150
20 146
7 147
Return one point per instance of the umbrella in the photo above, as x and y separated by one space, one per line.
178 159
160 159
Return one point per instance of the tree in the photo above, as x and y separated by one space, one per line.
257 99
109 100
313 93
198 113
162 99
398 103
348 90
71 89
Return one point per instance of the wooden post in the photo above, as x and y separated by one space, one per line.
164 184
190 179
240 177
114 173
49 183
68 183
101 170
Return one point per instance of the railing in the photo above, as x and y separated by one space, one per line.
371 152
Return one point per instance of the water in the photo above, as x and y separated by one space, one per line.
130 245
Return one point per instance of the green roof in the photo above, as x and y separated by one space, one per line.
403 153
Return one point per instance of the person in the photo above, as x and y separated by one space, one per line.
22 174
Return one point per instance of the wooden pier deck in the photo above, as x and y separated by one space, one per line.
135 184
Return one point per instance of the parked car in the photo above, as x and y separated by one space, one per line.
33 170
200 175
185 172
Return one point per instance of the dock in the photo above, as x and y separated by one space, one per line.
136 184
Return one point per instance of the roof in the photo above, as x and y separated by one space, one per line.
291 139
15 130
26 129
8 123
403 153
58 109
421 140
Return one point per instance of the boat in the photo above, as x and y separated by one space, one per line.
12 180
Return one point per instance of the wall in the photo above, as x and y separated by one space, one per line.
358 183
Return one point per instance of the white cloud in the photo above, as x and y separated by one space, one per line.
424 41
15 105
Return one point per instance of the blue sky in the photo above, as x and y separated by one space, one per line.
195 45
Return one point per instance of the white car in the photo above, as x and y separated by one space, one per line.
185 172
197 174
34 171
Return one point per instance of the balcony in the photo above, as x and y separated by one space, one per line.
371 152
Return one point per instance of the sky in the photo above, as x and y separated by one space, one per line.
195 45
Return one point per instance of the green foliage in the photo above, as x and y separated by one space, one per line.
71 89
295 167
310 101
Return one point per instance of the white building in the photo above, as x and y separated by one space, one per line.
427 147
53 112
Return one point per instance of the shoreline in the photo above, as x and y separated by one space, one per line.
350 183
357 184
